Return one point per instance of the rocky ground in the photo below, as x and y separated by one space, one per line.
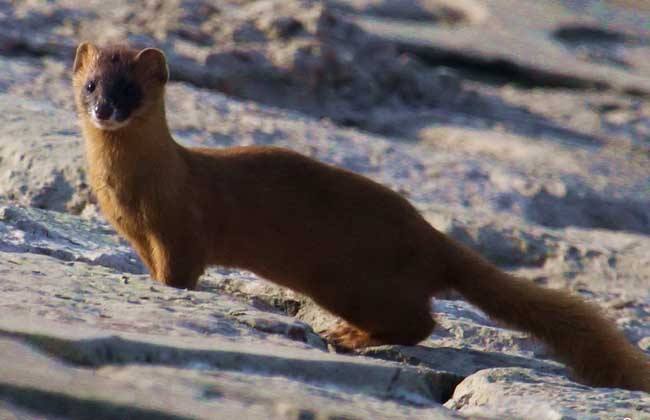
521 128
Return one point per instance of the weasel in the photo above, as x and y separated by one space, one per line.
357 248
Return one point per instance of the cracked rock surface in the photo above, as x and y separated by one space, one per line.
519 128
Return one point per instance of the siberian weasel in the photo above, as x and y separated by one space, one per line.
357 248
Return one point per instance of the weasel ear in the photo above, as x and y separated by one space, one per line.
84 51
152 62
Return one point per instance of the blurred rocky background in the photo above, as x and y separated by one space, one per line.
519 127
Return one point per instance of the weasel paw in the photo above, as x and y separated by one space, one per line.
349 337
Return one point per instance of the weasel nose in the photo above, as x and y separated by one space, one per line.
103 110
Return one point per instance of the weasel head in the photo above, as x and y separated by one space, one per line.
114 86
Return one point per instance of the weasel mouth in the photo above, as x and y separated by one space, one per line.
109 124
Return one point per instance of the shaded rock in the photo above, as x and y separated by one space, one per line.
64 237
502 245
589 210
12 412
438 11
255 291
271 324
463 362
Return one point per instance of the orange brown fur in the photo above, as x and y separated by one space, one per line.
357 248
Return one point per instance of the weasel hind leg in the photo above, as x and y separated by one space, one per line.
348 336
405 325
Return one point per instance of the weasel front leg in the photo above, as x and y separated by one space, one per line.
143 250
174 265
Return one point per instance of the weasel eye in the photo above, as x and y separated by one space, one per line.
90 87
130 90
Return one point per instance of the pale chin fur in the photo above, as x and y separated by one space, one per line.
108 125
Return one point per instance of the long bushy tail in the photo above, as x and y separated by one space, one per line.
576 331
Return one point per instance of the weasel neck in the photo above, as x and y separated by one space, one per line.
143 150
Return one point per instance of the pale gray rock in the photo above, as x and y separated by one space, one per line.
524 393
296 54
489 170
141 319
203 372
41 162
86 347
150 391
310 56
144 322
480 113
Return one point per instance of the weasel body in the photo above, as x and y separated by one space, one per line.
357 248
